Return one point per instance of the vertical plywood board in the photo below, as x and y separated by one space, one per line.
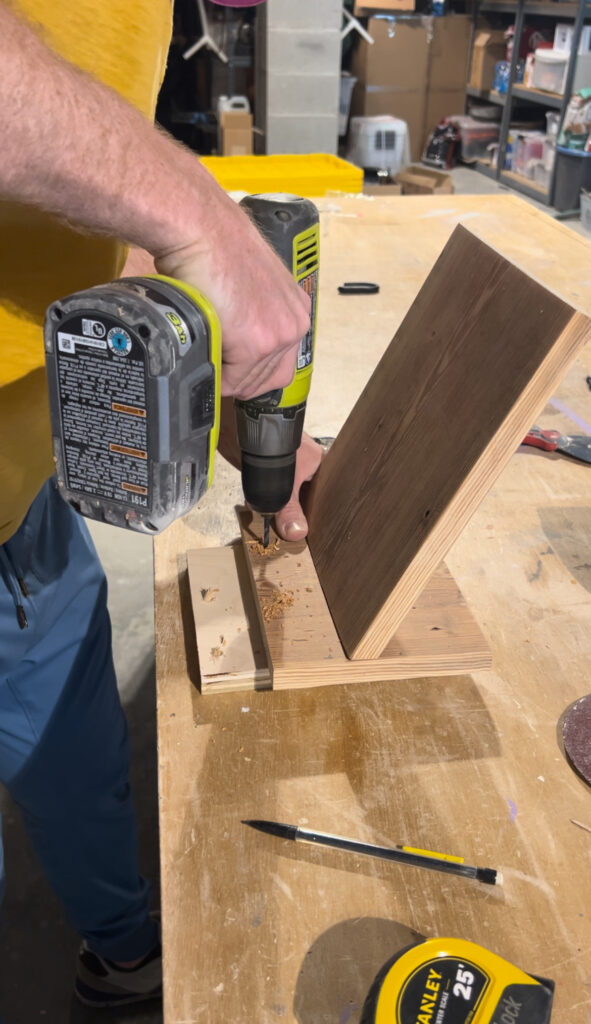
477 356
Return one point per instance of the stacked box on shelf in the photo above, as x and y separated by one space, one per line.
489 47
415 70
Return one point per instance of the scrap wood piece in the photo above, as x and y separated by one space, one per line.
438 637
476 358
229 643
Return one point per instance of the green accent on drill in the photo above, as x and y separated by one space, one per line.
215 355
297 392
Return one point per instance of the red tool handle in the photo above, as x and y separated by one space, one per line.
546 439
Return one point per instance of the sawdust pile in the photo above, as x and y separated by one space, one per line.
260 549
273 607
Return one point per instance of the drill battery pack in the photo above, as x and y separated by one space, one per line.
134 386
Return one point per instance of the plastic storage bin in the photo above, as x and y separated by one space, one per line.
550 70
573 173
380 143
541 175
528 149
310 174
564 34
476 137
552 124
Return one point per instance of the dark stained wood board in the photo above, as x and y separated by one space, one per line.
477 356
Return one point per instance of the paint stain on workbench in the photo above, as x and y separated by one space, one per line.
347 1013
512 810
569 532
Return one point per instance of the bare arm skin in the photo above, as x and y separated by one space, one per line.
146 190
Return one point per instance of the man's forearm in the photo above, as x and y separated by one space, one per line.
75 148
55 119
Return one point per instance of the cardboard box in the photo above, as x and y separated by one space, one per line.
448 53
382 190
237 142
442 104
489 47
361 9
235 127
447 70
391 75
417 180
417 74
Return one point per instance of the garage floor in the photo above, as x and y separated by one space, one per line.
37 947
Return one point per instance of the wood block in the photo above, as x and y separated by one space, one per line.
476 358
439 637
231 649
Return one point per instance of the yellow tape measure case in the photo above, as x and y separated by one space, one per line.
452 981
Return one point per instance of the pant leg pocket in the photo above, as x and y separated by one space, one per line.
41 547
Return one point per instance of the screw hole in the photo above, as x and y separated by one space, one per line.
143 331
57 312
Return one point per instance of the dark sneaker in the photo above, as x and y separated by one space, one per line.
100 983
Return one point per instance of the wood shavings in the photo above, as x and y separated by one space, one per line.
208 593
273 607
262 550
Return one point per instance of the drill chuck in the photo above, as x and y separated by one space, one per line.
269 439
267 482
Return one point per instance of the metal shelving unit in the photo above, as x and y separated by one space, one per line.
519 94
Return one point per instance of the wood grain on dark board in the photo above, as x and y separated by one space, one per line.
478 354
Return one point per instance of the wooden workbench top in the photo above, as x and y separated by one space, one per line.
258 931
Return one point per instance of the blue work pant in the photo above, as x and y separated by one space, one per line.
64 748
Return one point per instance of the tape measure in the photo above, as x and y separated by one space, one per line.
452 981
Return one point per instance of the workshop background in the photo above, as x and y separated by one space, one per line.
419 97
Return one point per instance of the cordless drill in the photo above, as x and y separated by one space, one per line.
134 372
270 426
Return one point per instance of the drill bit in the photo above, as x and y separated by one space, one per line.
266 530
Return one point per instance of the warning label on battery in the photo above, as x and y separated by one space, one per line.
305 350
104 422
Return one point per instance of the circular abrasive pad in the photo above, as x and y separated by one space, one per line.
576 732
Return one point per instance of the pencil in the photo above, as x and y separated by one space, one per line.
446 863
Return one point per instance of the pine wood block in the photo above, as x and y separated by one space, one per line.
231 651
439 636
478 355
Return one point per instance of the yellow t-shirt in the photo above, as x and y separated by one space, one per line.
124 43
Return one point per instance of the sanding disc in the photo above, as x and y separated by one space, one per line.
576 732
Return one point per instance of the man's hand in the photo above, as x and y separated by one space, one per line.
291 523
264 314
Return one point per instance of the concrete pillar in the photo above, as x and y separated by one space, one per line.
298 66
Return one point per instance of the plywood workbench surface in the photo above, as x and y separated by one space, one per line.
256 931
